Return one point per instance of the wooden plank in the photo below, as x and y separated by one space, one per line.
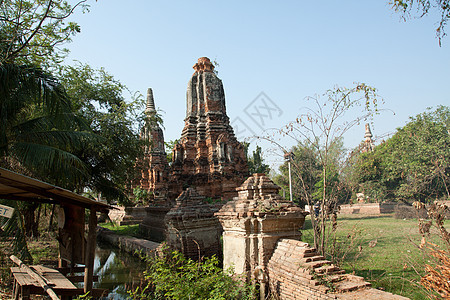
54 277
25 293
44 273
22 277
36 276
90 251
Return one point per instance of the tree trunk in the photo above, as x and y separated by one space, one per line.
51 218
38 217
29 220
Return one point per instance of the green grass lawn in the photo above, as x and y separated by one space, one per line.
130 230
388 257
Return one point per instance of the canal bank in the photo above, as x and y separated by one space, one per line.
117 266
128 244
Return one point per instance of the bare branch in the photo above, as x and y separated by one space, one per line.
38 27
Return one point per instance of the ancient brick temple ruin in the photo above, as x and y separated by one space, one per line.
192 227
368 144
260 230
261 239
208 156
155 175
253 223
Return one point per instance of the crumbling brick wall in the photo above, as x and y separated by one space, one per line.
367 208
192 227
296 271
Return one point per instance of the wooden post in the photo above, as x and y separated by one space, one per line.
90 251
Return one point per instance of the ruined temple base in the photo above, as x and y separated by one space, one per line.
368 209
153 227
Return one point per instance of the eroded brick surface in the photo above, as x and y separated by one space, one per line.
192 227
155 174
296 271
208 156
253 223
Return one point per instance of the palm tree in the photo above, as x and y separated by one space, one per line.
38 131
13 227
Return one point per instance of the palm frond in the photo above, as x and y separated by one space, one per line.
25 86
65 121
47 160
64 140
13 227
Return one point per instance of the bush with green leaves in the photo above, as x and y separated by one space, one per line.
413 165
172 276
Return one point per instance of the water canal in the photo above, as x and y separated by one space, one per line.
117 270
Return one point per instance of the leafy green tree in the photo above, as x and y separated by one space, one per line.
169 146
255 161
141 197
39 132
305 173
307 180
172 276
97 97
32 31
414 164
38 129
36 122
366 176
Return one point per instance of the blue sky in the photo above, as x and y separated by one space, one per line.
287 49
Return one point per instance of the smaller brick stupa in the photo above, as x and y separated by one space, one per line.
368 144
156 176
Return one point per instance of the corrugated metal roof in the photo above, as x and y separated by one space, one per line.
16 186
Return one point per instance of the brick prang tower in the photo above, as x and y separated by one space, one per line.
208 156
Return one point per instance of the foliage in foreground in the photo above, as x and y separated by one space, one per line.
420 8
437 268
318 132
171 276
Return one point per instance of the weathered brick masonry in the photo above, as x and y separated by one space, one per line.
296 271
192 227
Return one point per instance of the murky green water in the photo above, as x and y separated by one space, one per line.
118 271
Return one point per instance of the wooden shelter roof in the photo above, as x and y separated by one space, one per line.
16 186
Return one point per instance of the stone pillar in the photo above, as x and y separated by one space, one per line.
254 222
192 227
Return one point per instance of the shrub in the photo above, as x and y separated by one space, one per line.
437 270
171 276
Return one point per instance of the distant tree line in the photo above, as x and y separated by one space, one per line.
412 165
